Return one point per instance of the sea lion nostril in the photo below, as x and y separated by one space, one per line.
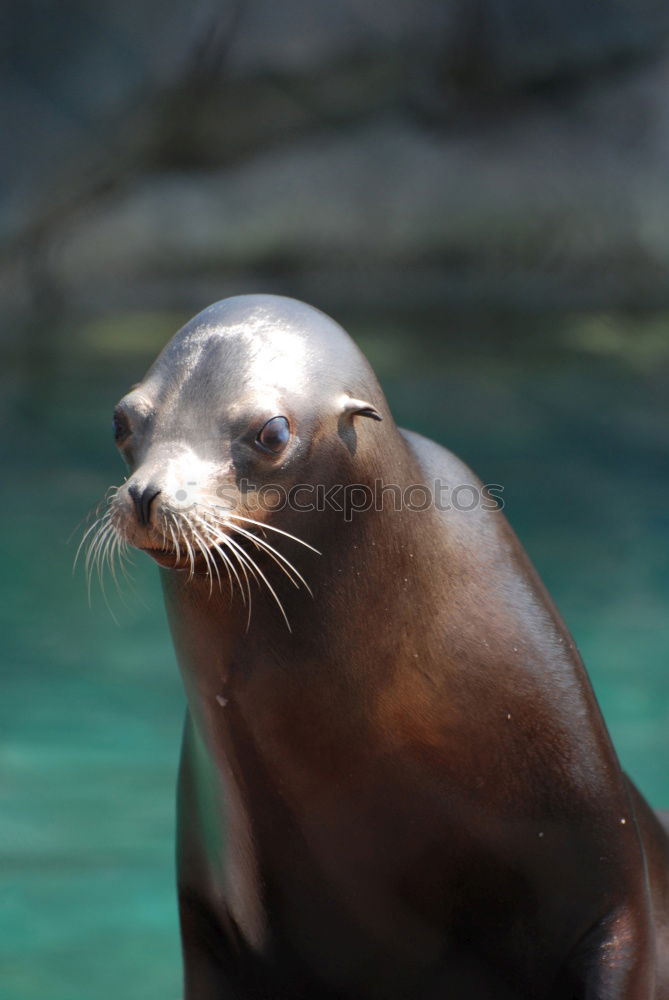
142 499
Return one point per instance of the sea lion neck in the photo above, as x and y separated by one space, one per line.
350 568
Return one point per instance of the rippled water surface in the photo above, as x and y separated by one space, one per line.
572 417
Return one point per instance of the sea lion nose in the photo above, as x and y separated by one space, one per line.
143 497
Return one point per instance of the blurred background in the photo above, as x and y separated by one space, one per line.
478 191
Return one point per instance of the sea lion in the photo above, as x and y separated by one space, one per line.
399 785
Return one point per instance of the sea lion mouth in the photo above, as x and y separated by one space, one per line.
166 557
198 559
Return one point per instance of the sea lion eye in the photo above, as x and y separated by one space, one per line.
121 426
275 435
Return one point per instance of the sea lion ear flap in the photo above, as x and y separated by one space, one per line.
359 408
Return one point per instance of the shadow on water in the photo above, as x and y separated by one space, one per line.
569 414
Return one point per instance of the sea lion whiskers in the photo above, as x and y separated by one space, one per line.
246 558
240 562
272 527
198 535
213 522
113 551
116 556
95 526
102 527
174 535
100 516
190 554
163 528
284 564
94 556
238 553
225 539
103 548
215 540
207 556
186 529
110 551
181 537
212 504
225 559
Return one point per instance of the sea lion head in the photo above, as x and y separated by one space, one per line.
255 395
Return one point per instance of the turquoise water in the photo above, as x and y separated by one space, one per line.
573 420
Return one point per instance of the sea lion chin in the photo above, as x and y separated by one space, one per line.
395 781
